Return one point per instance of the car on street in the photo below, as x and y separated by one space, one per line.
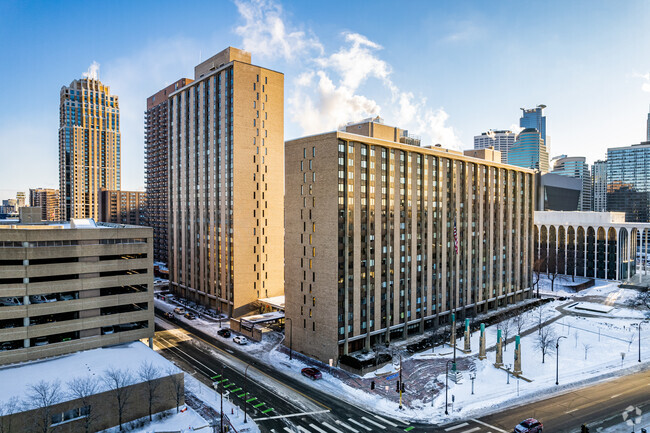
240 340
224 332
530 425
179 310
168 314
312 373
190 316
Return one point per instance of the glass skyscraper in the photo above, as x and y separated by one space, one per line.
628 181
576 167
534 118
529 151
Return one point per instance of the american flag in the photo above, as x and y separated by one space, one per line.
455 238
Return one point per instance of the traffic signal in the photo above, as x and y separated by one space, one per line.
397 387
584 429
372 385
403 387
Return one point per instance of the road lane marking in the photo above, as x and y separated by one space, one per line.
615 395
268 410
385 420
291 415
456 426
332 428
352 429
318 429
188 333
359 424
572 410
488 425
373 423
302 429
472 430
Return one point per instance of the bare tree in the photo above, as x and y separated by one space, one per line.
83 388
520 321
587 346
540 318
641 300
40 398
150 374
118 381
177 385
7 408
545 340
538 267
506 327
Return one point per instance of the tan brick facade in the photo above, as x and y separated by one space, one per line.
369 243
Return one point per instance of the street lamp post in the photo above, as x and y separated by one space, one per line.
221 398
508 366
447 388
639 341
557 359
245 393
290 338
472 376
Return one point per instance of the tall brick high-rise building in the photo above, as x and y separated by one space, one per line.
157 170
48 200
226 183
89 147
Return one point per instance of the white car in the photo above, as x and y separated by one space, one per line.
240 340
41 299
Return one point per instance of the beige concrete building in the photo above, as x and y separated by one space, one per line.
89 147
122 207
156 127
226 184
73 286
48 200
370 247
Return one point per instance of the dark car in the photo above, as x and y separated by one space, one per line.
190 316
311 373
530 425
225 332
168 314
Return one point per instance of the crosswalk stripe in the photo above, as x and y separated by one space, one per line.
288 429
251 399
373 423
456 426
304 430
258 405
385 420
472 430
319 430
359 424
332 428
478 421
339 422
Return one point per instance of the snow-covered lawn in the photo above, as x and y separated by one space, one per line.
186 421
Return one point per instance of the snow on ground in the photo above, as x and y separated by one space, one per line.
182 422
17 378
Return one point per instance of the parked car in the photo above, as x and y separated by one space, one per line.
224 332
190 316
41 341
107 330
41 299
129 326
240 340
530 425
179 310
66 297
312 373
168 314
10 302
6 345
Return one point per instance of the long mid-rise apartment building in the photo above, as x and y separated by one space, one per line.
226 184
384 239
89 147
157 170
66 287
48 200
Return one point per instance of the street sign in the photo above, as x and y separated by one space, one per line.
392 376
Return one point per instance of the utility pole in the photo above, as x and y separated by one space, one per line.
221 431
639 341
557 359
245 393
401 384
290 337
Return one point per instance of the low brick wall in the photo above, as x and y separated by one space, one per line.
249 331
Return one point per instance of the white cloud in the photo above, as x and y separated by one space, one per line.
645 86
93 71
265 34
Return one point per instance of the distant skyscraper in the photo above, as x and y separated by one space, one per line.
47 200
534 118
529 151
501 140
599 173
576 167
226 183
89 147
648 129
21 199
156 159
628 181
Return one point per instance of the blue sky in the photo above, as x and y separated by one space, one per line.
445 70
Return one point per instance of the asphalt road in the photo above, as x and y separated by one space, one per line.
296 406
